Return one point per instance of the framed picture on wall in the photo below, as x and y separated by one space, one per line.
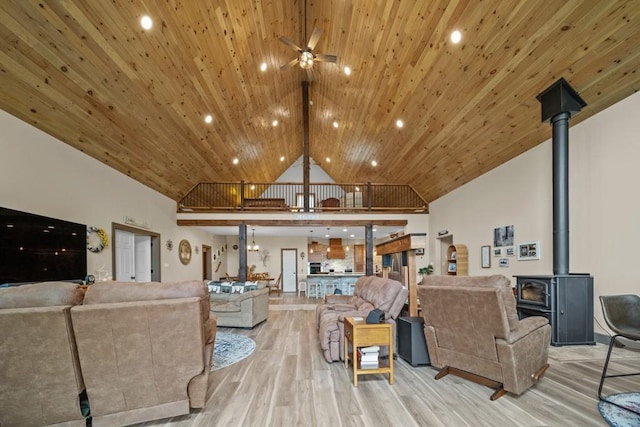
529 250
497 251
485 256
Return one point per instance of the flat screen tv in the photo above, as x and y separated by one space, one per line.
36 248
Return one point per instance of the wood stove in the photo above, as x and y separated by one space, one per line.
566 300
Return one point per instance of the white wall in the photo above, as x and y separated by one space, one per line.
604 210
42 175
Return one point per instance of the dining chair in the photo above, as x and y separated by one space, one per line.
276 286
622 314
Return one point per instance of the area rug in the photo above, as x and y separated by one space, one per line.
619 417
230 348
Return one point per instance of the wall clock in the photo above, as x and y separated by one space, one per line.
184 252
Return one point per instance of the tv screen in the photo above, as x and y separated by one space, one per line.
36 248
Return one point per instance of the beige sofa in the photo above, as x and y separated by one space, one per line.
243 310
371 292
145 349
40 378
472 330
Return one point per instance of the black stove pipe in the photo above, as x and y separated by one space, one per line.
560 143
559 101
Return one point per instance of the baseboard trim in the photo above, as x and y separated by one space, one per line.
620 342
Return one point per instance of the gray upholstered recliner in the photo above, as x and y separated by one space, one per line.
370 292
472 329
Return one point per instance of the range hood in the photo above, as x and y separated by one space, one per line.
335 251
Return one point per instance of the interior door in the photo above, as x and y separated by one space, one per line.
142 260
125 256
289 268
206 262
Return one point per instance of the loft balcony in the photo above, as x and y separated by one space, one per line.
289 197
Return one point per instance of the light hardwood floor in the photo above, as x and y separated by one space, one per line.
287 382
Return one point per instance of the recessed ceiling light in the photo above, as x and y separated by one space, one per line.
282 158
399 123
347 71
274 123
146 23
335 124
208 118
456 37
328 160
374 163
263 67
236 161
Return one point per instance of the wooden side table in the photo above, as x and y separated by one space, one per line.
362 334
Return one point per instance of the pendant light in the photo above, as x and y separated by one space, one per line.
253 247
311 244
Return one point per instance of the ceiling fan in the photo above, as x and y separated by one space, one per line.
306 57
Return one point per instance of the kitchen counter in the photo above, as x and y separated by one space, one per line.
328 282
335 274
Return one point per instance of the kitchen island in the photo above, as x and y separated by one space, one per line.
322 283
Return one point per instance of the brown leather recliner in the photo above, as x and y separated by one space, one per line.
472 329
145 349
40 378
370 292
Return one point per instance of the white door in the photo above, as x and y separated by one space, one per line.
289 267
125 256
142 258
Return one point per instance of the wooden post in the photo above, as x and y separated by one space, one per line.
412 283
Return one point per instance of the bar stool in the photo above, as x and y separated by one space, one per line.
302 287
352 289
329 288
313 289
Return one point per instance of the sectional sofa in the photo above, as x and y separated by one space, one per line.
126 352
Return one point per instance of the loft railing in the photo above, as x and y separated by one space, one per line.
276 196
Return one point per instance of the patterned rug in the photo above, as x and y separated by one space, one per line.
230 348
619 417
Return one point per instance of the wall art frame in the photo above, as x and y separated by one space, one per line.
485 256
529 250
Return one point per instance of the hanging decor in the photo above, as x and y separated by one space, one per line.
253 247
97 239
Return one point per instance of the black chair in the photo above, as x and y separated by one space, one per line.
622 314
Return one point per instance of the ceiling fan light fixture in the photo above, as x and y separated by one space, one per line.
306 60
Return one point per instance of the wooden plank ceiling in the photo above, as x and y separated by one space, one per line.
86 73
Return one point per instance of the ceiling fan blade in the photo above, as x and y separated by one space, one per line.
289 64
313 40
289 43
325 58
310 74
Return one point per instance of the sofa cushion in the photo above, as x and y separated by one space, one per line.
226 307
497 281
110 292
383 293
44 294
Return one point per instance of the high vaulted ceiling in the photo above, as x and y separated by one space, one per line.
88 74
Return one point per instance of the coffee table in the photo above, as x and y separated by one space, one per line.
362 334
